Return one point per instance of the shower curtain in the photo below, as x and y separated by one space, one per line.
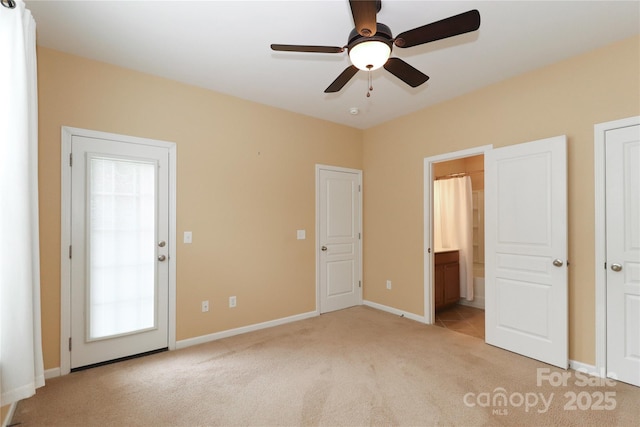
21 365
453 225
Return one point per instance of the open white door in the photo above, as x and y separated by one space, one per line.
526 302
623 253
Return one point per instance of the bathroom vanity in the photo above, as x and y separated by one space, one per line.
447 278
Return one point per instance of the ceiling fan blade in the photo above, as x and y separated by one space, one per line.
302 48
342 79
405 72
364 16
448 27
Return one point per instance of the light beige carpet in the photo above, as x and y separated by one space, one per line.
354 367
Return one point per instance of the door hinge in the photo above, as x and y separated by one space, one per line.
70 251
605 265
69 343
359 236
70 159
359 283
359 188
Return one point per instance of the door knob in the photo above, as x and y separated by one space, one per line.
616 267
557 262
162 243
161 258
323 248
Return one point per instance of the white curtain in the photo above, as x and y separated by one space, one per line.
21 365
453 225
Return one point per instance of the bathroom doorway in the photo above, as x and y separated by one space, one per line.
457 227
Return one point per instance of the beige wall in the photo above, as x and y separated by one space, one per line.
473 166
244 207
565 98
246 183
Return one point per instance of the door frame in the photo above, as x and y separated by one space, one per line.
599 139
429 311
67 134
358 172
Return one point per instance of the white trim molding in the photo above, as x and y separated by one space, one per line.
51 373
395 311
65 233
243 330
586 368
599 160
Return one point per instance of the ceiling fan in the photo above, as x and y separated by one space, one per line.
370 43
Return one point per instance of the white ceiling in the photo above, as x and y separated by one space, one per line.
224 46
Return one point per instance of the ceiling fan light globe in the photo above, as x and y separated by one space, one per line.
369 55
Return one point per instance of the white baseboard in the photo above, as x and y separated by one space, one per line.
478 302
51 373
9 417
395 311
583 367
55 372
243 330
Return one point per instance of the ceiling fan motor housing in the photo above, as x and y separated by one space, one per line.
383 34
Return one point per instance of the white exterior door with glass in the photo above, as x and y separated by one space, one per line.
119 249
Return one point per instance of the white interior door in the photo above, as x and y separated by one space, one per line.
339 238
119 249
526 250
623 252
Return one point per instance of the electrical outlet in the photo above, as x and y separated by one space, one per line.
205 306
388 284
232 302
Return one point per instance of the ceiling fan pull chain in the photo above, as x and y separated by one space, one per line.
369 81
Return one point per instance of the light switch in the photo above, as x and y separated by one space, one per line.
302 234
188 237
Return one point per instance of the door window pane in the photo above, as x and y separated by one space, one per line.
121 267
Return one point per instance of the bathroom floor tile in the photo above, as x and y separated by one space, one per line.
463 319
